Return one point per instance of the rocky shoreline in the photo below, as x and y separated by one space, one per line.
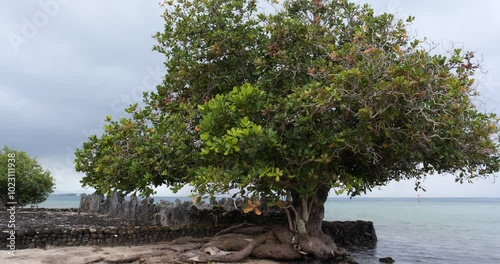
38 228
113 223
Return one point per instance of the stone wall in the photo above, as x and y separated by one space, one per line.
125 236
146 212
346 234
223 212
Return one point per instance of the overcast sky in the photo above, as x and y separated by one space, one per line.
65 64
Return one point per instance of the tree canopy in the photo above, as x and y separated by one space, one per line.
315 95
32 183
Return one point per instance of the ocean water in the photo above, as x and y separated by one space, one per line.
61 201
433 231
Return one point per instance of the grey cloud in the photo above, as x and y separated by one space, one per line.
90 59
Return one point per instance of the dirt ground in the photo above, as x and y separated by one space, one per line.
147 254
162 252
43 218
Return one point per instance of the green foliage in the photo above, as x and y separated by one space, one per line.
33 184
319 93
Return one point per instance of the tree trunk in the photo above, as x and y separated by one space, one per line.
280 242
314 241
317 212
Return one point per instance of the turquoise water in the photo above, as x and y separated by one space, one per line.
436 230
61 201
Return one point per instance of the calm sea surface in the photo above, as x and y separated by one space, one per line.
434 230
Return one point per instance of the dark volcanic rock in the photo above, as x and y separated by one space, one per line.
386 260
43 219
40 245
146 212
350 233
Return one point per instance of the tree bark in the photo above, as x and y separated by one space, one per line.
317 214
276 251
238 255
314 241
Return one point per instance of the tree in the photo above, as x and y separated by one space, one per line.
285 106
23 178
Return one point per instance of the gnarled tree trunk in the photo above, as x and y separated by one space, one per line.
317 212
315 241
307 238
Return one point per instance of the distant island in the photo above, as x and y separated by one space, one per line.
65 194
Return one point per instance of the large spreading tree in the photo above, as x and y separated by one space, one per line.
283 106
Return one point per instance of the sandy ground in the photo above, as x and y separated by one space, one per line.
149 254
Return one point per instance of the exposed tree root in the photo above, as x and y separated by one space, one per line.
124 260
229 244
133 259
236 256
99 259
276 251
315 246
236 244
232 228
182 247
